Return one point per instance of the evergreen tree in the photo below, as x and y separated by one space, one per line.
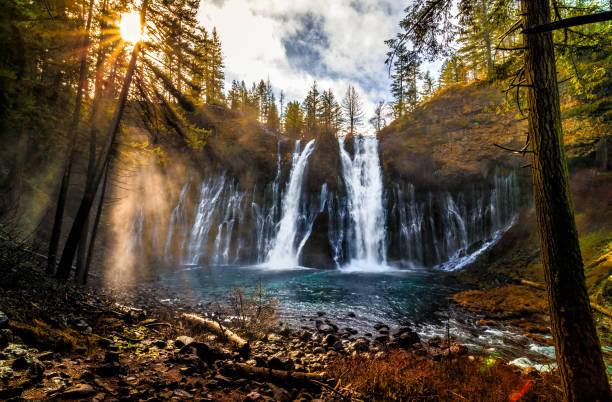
294 121
330 113
215 77
311 107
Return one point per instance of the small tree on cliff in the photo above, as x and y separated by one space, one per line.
579 357
353 110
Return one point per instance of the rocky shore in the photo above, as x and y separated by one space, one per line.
69 343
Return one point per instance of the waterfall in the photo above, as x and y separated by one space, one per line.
177 218
363 179
286 246
448 231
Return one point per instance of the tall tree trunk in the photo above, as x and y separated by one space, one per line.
56 231
577 345
63 271
83 274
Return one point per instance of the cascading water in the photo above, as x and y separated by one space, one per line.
449 231
287 244
358 225
363 180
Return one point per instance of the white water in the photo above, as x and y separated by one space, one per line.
285 252
363 179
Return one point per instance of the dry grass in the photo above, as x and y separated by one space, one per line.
402 376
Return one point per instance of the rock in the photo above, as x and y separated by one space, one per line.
22 362
183 340
36 371
183 395
382 339
280 394
280 363
79 391
111 357
9 393
160 343
108 370
329 339
5 373
3 320
323 327
87 376
406 337
45 356
360 345
318 350
379 325
320 313
350 314
13 351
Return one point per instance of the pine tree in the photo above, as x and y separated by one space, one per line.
215 76
311 107
329 112
294 122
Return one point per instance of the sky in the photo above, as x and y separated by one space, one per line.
294 42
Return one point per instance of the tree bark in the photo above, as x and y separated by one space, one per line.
72 132
577 346
83 274
63 271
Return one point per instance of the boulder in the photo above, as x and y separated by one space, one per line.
183 340
406 337
361 345
330 340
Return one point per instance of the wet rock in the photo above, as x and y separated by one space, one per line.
320 313
222 379
79 391
318 350
3 320
330 339
183 340
382 339
380 326
160 343
323 327
350 314
406 337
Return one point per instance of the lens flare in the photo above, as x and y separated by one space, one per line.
129 27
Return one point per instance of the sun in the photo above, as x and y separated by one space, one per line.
129 27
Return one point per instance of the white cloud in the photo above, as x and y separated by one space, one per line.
255 35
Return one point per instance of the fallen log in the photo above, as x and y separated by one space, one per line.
213 326
594 306
282 377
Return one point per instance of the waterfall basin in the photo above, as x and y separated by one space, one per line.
357 297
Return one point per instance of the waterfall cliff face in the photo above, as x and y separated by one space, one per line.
357 222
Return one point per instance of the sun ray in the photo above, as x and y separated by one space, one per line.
129 27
